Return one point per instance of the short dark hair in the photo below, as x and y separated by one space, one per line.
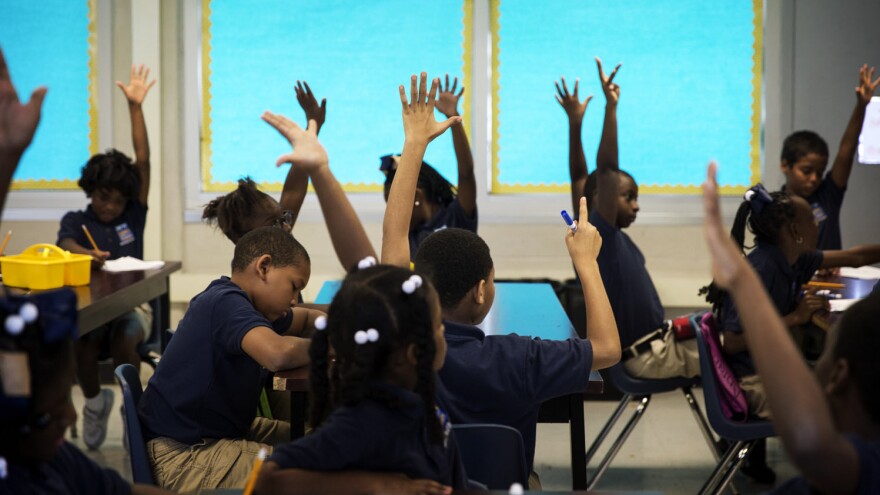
800 144
592 185
277 243
110 170
435 186
234 211
857 342
454 260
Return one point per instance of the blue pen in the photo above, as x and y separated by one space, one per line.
568 221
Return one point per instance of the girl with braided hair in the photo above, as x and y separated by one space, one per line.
373 408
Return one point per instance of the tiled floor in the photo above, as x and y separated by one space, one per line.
666 452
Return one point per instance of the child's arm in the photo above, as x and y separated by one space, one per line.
577 162
606 158
583 246
296 184
801 415
866 254
303 323
98 256
275 352
420 128
272 479
447 104
18 123
135 93
843 162
349 239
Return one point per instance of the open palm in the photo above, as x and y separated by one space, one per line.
17 122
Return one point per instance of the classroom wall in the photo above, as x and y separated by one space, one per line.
812 51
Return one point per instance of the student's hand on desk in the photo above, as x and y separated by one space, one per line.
17 122
583 245
310 106
447 100
808 305
828 272
138 87
308 152
418 113
99 257
866 87
609 87
571 102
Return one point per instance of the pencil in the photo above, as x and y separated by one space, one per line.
825 285
91 239
252 480
5 241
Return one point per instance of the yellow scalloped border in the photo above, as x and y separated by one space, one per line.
671 189
467 62
92 47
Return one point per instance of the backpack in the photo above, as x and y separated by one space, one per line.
733 401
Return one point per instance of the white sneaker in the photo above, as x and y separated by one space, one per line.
95 422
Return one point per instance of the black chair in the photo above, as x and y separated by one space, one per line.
130 382
493 455
641 390
742 436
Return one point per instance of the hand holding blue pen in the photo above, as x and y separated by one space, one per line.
568 221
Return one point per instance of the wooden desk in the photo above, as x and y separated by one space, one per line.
522 308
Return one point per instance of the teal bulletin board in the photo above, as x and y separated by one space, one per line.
690 90
355 54
52 43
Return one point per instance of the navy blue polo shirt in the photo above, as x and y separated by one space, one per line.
869 471
783 283
206 386
503 379
373 436
70 472
123 236
826 203
630 290
444 218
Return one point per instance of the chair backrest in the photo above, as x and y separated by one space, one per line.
493 455
130 381
629 384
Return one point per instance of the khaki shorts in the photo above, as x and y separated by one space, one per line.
211 464
667 358
753 388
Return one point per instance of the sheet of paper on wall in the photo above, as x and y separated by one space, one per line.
128 264
864 272
869 139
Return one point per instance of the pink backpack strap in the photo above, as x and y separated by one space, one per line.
733 400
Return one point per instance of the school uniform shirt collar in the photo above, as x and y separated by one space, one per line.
460 331
411 402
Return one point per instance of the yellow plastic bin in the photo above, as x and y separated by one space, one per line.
45 266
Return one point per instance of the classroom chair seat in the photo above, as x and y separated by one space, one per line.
493 455
742 436
130 382
640 390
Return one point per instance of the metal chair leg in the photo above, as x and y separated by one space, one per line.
621 406
618 443
721 469
734 467
704 427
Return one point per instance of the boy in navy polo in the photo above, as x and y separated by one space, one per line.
500 378
115 218
199 408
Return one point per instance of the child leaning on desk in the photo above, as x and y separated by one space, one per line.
828 422
199 408
115 220
501 378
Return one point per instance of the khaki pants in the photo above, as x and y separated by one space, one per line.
213 463
667 358
753 388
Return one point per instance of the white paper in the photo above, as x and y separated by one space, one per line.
128 264
839 305
864 272
869 139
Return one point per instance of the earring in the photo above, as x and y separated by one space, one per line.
799 240
417 203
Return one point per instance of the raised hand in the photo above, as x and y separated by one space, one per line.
17 122
447 100
609 87
418 113
307 150
137 87
728 263
570 101
586 242
310 106
866 87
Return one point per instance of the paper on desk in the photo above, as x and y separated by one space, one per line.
127 264
838 305
864 272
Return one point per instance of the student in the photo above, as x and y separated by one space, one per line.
649 347
805 157
36 375
115 218
198 410
828 422
377 428
247 208
437 204
501 378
